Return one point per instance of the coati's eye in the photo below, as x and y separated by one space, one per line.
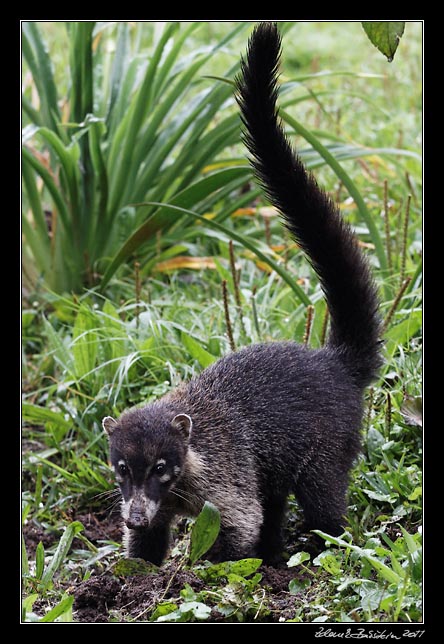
160 467
122 468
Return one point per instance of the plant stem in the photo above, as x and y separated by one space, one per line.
388 244
227 316
324 326
395 304
405 229
308 323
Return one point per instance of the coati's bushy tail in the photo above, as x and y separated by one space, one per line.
309 214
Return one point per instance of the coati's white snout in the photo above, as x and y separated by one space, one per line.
139 511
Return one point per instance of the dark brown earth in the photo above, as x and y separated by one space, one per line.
135 597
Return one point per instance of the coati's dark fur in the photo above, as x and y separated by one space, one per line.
269 419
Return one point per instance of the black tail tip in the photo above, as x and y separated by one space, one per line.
264 34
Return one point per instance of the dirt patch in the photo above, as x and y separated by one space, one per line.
109 596
34 533
130 598
106 598
101 526
276 579
95 597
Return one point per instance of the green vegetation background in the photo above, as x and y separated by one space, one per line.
93 346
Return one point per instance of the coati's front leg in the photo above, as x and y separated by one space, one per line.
271 544
150 543
241 522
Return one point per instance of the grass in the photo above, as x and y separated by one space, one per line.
158 321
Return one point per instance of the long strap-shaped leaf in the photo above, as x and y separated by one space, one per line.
247 243
39 62
191 196
125 136
349 185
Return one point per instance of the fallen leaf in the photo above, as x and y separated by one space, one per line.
193 263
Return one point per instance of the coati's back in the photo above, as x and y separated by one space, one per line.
272 418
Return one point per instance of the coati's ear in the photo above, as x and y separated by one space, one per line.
183 423
109 424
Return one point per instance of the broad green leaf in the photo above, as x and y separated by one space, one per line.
62 609
163 609
25 563
244 567
297 559
385 36
62 550
204 532
417 493
401 333
27 604
39 560
329 562
188 611
200 354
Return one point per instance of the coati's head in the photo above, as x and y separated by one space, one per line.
148 453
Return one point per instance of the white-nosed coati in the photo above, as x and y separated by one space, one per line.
269 419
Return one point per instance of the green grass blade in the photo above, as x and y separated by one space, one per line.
82 104
34 115
81 99
125 137
118 68
96 231
145 148
57 348
35 203
160 154
50 185
37 57
39 560
36 235
39 249
25 562
163 76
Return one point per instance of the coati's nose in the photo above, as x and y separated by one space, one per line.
137 519
137 516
